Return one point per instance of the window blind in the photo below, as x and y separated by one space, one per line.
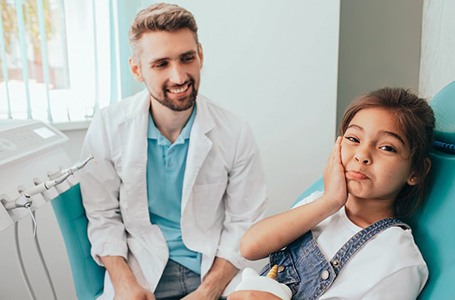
57 62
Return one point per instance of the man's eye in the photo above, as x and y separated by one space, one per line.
160 65
189 58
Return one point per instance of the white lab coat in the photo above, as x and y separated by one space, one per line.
223 189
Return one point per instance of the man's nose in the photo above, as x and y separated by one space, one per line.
178 74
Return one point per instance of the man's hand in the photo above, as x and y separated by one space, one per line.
216 280
252 295
123 280
132 292
200 294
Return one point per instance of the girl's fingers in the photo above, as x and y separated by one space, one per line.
335 156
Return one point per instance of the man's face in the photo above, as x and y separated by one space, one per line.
169 64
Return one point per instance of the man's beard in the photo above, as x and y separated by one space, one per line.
180 104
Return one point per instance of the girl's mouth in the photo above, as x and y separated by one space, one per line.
355 175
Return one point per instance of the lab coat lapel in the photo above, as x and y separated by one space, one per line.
133 132
199 148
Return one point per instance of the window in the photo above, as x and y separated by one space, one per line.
58 59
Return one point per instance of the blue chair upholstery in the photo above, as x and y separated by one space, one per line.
88 277
434 222
432 225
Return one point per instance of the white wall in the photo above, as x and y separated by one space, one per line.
275 64
437 65
73 146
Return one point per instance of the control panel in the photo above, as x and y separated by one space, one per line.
29 150
20 139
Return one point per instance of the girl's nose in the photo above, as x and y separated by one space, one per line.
362 157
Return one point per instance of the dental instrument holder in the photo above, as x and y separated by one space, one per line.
56 178
29 149
25 201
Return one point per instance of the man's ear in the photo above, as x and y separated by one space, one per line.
135 69
413 179
200 53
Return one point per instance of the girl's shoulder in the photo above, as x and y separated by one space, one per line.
401 243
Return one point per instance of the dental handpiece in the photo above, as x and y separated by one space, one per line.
65 173
24 200
78 166
44 186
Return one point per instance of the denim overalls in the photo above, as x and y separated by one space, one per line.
303 267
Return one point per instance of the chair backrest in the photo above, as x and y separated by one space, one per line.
432 225
88 277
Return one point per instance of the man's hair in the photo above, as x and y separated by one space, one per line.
416 120
161 17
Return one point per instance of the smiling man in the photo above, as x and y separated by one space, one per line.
178 180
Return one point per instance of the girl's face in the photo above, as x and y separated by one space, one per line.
376 156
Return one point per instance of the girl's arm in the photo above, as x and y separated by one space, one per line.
273 233
252 295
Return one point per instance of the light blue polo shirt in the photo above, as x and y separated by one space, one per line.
165 171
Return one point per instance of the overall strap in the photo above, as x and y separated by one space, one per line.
354 244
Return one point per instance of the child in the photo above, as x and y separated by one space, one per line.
347 242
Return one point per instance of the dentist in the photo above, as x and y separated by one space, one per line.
177 179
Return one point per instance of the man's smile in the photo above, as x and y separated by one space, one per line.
179 90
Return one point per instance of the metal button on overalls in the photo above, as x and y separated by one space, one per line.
325 274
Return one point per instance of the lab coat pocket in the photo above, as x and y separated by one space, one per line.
208 204
146 266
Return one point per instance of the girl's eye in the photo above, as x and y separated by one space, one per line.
352 139
388 149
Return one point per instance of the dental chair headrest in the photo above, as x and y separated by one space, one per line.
443 104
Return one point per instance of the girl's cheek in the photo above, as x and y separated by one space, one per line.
344 155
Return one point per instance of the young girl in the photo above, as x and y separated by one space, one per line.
347 242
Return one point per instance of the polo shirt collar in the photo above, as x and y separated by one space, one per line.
155 134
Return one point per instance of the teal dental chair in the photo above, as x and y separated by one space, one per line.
432 225
88 276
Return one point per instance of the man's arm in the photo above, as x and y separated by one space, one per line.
123 280
245 198
215 281
245 203
100 187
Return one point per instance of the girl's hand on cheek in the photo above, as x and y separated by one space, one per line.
334 177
